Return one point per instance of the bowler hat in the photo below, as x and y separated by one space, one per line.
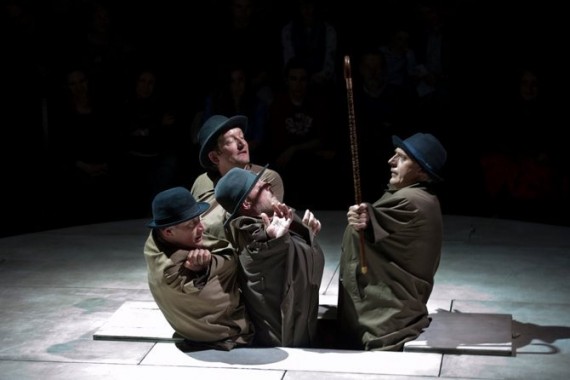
212 128
426 150
232 189
174 206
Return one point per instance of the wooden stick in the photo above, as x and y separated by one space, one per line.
354 153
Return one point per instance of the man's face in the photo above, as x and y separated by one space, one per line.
232 151
262 198
405 171
187 234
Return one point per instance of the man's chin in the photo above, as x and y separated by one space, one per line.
242 163
395 184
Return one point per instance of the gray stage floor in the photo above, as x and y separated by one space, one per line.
58 288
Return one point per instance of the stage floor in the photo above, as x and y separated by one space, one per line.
60 287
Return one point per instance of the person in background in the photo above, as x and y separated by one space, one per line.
310 36
301 137
150 156
194 285
83 148
383 301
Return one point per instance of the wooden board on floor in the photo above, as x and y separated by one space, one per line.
140 321
466 333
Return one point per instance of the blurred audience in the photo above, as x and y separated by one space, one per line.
309 36
455 91
151 141
301 137
83 143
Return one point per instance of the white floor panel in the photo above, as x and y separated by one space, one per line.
297 359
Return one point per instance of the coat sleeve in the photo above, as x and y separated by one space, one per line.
176 272
389 215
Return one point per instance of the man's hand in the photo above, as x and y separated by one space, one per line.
279 223
358 217
310 221
198 259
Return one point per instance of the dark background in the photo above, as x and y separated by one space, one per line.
491 41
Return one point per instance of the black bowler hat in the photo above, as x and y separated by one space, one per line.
212 128
232 189
426 150
174 206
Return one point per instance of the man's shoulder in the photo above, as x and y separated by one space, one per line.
272 177
268 173
417 195
217 244
245 225
201 183
416 190
150 246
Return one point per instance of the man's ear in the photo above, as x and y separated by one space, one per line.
213 156
246 204
167 231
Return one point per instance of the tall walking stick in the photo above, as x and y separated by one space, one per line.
354 153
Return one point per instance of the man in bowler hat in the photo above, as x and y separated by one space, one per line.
384 289
194 285
223 147
281 262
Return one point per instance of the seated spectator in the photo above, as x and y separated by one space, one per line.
301 137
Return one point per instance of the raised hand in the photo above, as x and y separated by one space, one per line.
310 221
278 224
